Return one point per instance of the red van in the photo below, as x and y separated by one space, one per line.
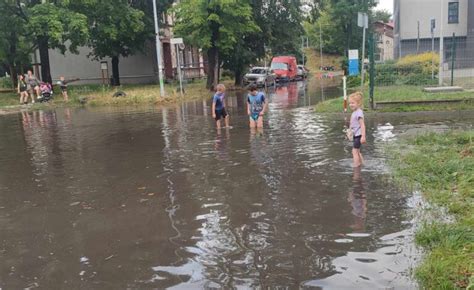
285 68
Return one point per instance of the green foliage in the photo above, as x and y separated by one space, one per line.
380 15
409 70
6 83
196 19
338 21
442 165
59 25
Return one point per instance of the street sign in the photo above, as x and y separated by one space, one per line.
176 40
433 25
353 62
362 20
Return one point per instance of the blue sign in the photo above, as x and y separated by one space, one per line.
353 67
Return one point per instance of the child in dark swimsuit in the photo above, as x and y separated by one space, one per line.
218 106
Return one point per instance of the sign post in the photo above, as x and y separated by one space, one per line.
158 51
353 62
177 42
363 21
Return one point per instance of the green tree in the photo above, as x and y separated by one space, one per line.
14 47
216 26
283 26
117 29
381 15
49 25
338 19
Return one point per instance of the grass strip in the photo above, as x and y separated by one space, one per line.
442 166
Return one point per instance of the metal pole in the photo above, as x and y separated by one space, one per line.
372 70
158 51
441 45
453 58
418 39
302 47
363 57
179 69
320 46
432 54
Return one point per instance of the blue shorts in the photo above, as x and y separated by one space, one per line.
221 114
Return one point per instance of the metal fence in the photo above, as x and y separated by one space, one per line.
417 63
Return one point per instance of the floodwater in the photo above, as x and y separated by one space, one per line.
154 198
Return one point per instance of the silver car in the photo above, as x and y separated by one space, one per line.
261 76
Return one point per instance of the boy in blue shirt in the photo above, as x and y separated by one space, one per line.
256 107
218 106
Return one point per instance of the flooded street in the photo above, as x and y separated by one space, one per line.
114 198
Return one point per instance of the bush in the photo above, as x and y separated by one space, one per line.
6 83
409 70
353 81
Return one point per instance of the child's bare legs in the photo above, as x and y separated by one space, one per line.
226 120
65 96
357 156
252 123
260 122
218 124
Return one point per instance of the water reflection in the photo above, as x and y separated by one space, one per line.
358 201
157 198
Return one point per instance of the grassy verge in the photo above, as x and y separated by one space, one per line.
404 93
442 166
97 95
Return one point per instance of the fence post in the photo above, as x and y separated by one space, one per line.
453 57
372 70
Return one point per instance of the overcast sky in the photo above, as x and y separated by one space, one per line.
386 4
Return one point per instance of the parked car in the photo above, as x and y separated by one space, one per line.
302 71
261 76
285 68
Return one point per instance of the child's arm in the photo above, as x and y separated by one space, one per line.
362 130
265 105
18 87
248 108
213 108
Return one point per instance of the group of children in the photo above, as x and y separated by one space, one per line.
29 86
257 106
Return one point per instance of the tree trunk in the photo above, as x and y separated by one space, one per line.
44 59
213 71
115 71
13 75
238 77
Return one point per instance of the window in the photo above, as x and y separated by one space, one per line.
453 12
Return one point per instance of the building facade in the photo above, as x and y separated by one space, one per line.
454 21
384 41
141 68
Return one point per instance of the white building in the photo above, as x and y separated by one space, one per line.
412 29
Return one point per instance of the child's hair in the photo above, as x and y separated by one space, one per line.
252 87
21 77
357 96
220 87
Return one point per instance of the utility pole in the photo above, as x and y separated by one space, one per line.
302 47
418 39
441 46
363 21
158 51
433 25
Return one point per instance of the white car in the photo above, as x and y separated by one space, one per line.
261 76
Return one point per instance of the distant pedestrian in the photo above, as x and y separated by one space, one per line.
33 85
256 107
63 85
357 127
218 106
22 89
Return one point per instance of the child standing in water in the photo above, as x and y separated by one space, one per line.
357 126
218 106
256 107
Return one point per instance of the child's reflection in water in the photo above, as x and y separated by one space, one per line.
358 201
